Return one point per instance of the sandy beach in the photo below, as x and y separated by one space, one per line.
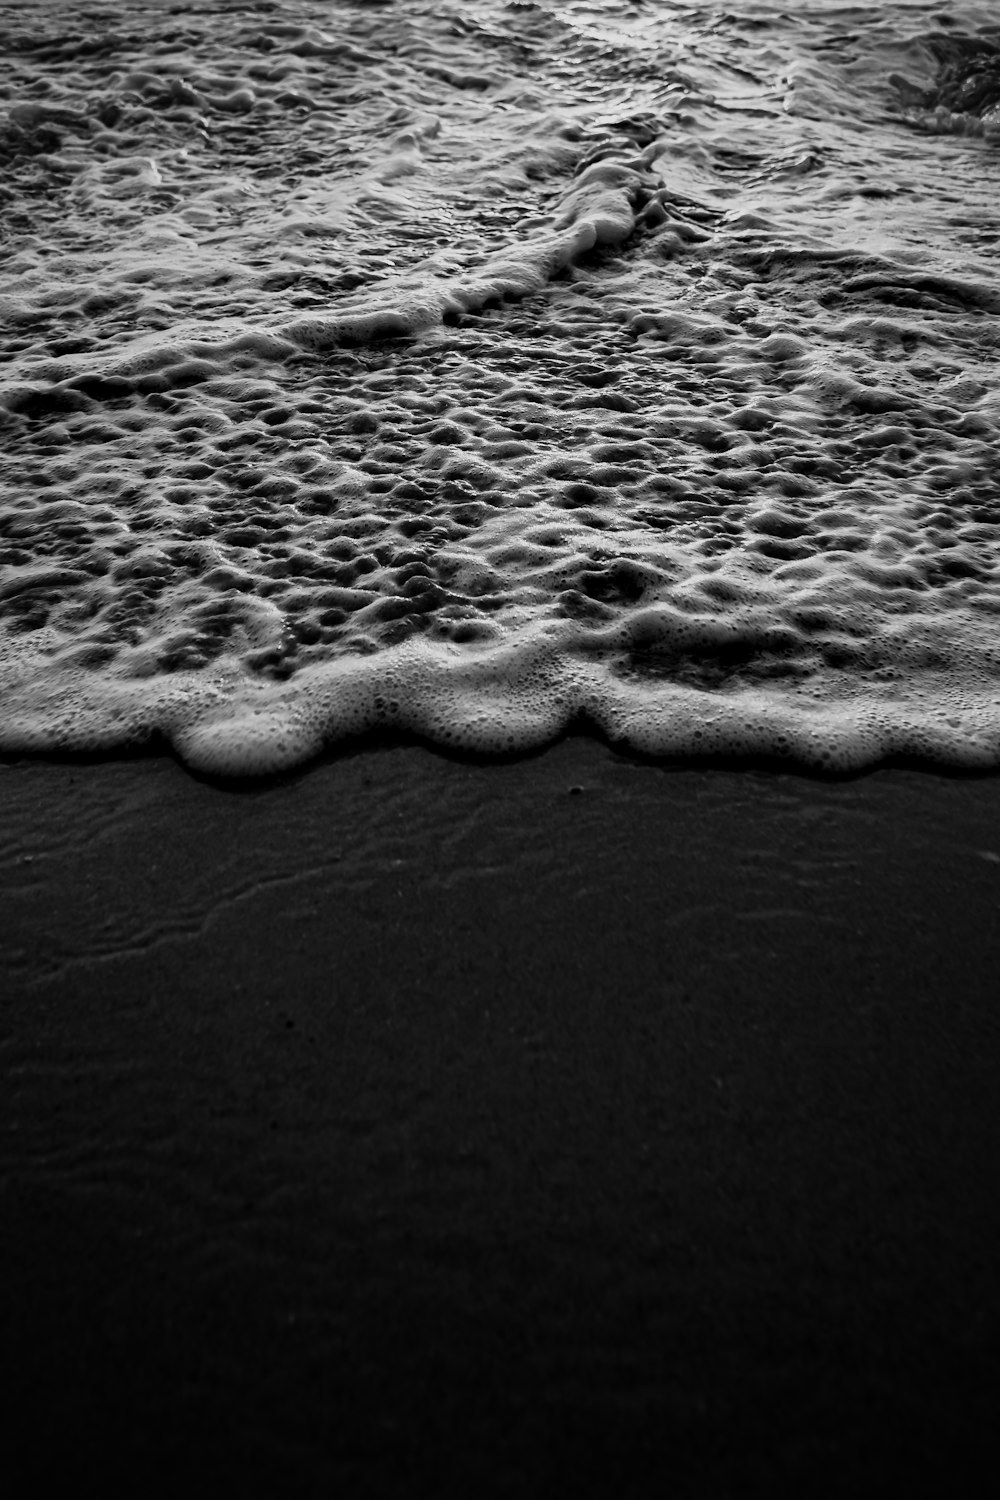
552 445
420 1125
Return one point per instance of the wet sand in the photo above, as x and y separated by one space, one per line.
426 1126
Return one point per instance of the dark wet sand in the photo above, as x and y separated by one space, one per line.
567 1126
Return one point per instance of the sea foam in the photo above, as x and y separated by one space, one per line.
477 371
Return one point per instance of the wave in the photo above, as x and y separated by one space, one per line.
480 372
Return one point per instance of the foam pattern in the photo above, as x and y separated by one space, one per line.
478 370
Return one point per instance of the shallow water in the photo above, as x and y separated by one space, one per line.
477 369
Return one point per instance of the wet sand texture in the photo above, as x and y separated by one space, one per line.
508 1130
476 371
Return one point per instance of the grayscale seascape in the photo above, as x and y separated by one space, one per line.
499 734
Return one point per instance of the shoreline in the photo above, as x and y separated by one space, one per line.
498 1125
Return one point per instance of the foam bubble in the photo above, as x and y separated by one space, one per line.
353 384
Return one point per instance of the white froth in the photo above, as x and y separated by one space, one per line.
475 371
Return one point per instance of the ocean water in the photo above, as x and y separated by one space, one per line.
476 369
